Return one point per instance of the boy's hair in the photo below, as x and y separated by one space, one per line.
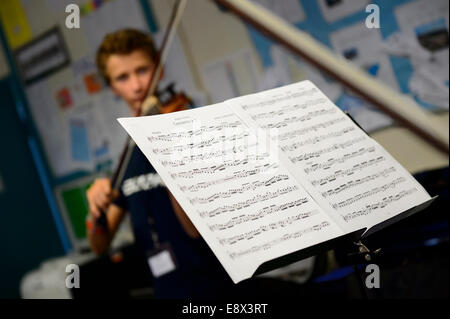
122 42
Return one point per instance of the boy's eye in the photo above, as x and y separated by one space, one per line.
143 70
122 78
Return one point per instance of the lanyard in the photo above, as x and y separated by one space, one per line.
154 234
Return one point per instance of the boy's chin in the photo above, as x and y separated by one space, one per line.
134 108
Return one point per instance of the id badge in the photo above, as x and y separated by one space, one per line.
161 260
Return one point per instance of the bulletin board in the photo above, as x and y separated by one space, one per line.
409 51
74 111
72 108
71 111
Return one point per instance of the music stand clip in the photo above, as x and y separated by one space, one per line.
364 254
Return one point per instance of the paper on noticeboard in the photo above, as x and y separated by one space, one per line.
14 23
424 39
333 10
230 76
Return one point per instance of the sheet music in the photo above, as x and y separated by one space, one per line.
353 178
230 182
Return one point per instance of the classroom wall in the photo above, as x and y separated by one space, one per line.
209 34
27 229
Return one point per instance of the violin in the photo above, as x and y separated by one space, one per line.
170 101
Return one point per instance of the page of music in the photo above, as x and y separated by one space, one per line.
268 174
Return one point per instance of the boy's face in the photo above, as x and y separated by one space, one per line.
130 76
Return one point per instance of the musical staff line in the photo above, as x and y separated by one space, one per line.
381 204
270 244
280 99
307 156
248 202
245 188
347 172
263 228
369 193
357 182
261 214
317 139
330 162
203 129
216 168
312 128
296 119
236 175
199 157
288 108
201 144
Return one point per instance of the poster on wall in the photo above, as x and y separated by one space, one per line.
363 47
14 22
424 39
333 10
42 56
232 75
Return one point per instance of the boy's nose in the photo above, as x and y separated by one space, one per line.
136 84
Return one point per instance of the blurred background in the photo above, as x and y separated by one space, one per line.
58 130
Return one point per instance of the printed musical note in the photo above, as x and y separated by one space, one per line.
282 98
353 183
313 128
332 161
334 147
205 156
264 228
203 129
262 213
297 119
347 172
216 168
259 169
279 240
287 109
368 193
202 144
379 205
255 199
245 188
317 139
